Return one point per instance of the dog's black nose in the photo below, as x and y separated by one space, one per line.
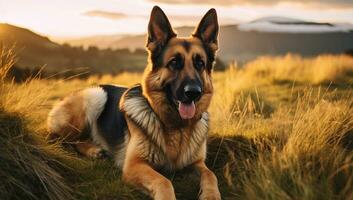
192 92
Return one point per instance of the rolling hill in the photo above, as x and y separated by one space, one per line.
35 51
264 36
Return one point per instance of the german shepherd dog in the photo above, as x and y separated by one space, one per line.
161 123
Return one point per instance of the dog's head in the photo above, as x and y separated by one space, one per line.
179 70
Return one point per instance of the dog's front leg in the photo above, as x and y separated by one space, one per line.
208 184
138 173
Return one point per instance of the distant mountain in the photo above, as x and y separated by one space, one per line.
267 36
35 51
290 25
247 45
100 41
117 41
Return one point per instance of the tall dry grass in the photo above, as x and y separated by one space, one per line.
309 152
317 70
242 90
297 147
30 168
7 60
281 128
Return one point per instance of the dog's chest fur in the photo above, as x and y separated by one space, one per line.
179 148
173 149
174 143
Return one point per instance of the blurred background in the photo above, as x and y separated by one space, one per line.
99 37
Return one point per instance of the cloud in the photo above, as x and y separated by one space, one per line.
320 3
112 15
105 14
183 20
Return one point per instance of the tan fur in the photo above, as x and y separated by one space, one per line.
88 149
208 184
175 46
67 118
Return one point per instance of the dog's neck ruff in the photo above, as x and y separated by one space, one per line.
137 108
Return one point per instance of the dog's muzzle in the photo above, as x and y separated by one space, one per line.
192 92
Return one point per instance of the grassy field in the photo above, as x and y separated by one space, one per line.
281 128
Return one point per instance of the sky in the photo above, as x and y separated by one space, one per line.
78 18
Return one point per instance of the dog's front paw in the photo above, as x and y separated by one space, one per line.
210 195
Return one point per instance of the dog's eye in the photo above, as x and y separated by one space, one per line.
199 63
175 64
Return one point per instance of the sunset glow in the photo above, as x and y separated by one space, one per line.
82 18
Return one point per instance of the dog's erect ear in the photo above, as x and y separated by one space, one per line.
208 28
159 29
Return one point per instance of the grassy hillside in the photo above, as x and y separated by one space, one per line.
35 51
281 128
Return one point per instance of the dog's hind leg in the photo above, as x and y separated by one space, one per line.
74 115
67 119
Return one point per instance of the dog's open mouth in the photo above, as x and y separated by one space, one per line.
186 110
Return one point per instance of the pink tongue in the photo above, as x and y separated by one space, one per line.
186 111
